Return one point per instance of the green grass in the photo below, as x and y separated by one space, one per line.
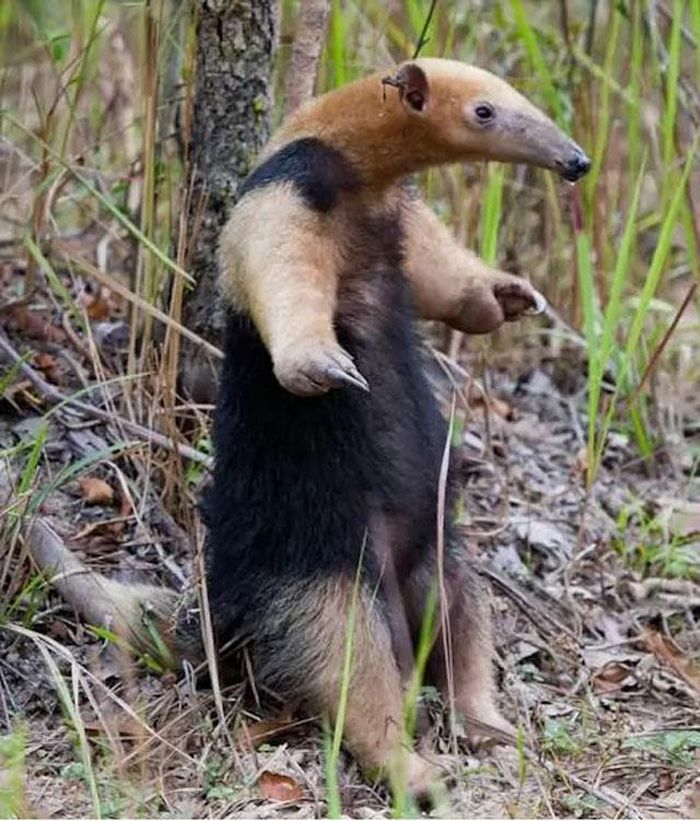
12 767
615 274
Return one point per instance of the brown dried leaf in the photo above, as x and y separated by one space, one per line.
33 324
277 787
125 506
581 461
670 654
96 491
253 735
609 678
98 306
48 363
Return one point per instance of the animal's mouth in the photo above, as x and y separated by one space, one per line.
575 166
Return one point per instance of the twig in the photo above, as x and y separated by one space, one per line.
423 39
618 802
536 614
48 391
651 364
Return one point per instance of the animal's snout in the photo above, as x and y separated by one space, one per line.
575 166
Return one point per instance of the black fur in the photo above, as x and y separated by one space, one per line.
319 172
298 480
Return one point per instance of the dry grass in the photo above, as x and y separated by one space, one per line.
581 466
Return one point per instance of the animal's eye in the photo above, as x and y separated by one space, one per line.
484 112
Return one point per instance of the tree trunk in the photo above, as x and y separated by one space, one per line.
230 124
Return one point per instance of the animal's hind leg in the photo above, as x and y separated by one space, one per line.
302 654
470 643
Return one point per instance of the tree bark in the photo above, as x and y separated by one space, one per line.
230 124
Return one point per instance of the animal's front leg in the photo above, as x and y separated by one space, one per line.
306 356
454 285
486 298
279 265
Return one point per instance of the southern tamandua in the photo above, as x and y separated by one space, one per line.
327 435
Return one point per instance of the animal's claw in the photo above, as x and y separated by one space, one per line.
539 307
351 377
314 370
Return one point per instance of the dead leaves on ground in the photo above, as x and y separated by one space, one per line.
278 787
96 491
670 654
34 324
251 736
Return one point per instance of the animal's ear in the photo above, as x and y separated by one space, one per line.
412 84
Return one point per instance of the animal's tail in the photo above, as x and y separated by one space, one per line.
140 616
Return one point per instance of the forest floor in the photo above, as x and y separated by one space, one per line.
596 612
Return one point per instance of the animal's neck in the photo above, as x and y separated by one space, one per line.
368 124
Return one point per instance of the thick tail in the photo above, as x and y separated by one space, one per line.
140 616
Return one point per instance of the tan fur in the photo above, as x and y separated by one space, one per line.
471 649
140 615
451 284
370 124
288 285
374 717
285 278
280 261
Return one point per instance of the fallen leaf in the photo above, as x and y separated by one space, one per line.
610 677
260 732
125 506
96 491
48 363
124 726
98 306
279 787
670 654
34 325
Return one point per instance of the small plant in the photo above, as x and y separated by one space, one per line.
650 550
557 738
12 753
679 748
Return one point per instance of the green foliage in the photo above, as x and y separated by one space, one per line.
653 551
12 758
557 737
677 747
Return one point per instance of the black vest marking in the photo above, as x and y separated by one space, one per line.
318 172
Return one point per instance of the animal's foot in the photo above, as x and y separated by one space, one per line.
311 370
518 298
486 727
494 298
417 776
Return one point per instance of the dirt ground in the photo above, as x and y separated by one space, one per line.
595 605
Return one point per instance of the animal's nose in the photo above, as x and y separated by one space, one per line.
576 166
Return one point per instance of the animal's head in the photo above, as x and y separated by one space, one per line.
467 113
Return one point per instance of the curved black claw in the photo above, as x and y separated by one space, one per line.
341 377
